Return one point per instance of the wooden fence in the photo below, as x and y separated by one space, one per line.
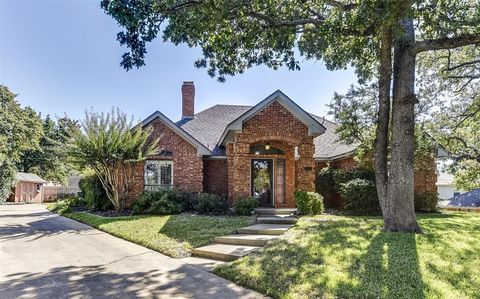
50 193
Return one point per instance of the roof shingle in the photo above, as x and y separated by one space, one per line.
208 125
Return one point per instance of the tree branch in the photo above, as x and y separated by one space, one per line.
447 43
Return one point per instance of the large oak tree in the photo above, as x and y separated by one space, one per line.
380 38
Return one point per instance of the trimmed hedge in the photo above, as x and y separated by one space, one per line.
245 206
210 204
164 202
360 197
309 203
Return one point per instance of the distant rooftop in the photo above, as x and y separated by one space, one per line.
29 177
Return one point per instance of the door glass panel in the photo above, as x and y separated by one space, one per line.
262 182
280 182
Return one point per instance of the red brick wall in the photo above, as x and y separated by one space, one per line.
215 176
187 165
277 126
347 163
426 177
188 99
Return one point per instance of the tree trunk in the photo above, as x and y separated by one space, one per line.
401 176
381 138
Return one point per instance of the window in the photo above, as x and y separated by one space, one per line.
158 174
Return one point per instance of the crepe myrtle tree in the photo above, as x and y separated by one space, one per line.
109 145
379 38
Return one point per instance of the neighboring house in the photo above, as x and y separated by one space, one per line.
445 181
268 151
28 187
446 186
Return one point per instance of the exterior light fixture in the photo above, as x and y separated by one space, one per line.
267 146
257 153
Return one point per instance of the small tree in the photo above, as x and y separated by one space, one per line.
110 146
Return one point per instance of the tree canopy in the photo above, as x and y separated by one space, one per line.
381 39
20 131
49 159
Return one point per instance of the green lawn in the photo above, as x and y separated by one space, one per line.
173 235
350 257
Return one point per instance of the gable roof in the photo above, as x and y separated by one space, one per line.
314 127
201 149
28 177
207 126
328 146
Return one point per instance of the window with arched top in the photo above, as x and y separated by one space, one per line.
265 149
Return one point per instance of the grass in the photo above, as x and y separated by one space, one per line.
173 235
351 257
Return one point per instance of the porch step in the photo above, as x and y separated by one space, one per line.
223 252
274 211
241 239
265 229
204 264
277 219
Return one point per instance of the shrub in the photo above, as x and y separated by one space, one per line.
94 194
65 205
210 204
309 203
245 206
426 202
360 196
328 182
185 198
162 202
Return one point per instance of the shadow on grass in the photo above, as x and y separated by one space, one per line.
343 258
389 269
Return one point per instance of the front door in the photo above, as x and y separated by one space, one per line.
262 183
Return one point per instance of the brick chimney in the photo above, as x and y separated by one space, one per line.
188 99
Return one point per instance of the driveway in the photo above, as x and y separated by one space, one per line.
43 255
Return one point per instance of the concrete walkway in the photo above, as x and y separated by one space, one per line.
43 255
270 224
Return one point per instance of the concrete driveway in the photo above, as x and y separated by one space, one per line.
43 255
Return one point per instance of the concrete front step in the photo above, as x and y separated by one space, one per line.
242 239
205 264
223 252
274 211
265 229
277 219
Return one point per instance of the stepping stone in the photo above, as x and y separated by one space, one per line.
265 229
223 252
204 264
277 219
242 239
273 211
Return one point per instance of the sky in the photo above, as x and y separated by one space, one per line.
61 57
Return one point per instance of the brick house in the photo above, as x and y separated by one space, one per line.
268 150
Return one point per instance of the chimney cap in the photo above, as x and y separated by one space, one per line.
188 82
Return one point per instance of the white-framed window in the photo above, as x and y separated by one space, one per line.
158 174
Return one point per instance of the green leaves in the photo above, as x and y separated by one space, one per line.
20 130
110 145
110 138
